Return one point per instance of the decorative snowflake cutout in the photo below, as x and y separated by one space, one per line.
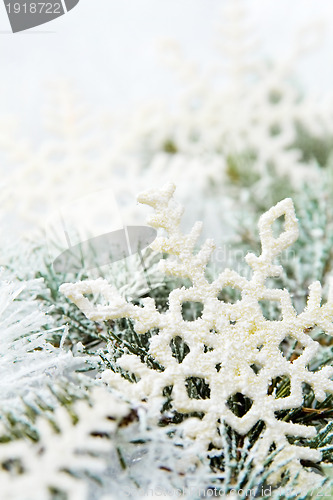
231 348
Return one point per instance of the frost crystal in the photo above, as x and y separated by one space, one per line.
58 459
27 360
232 347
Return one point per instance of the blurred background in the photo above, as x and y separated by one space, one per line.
108 49
219 96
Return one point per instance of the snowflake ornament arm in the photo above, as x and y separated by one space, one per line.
227 341
58 460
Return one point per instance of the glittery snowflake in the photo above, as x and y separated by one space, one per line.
232 347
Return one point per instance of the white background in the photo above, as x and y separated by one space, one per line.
107 49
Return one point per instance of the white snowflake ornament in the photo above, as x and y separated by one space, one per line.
232 349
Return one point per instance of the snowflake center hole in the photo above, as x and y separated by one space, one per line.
290 348
271 309
280 387
256 368
192 310
197 388
179 348
239 404
229 295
